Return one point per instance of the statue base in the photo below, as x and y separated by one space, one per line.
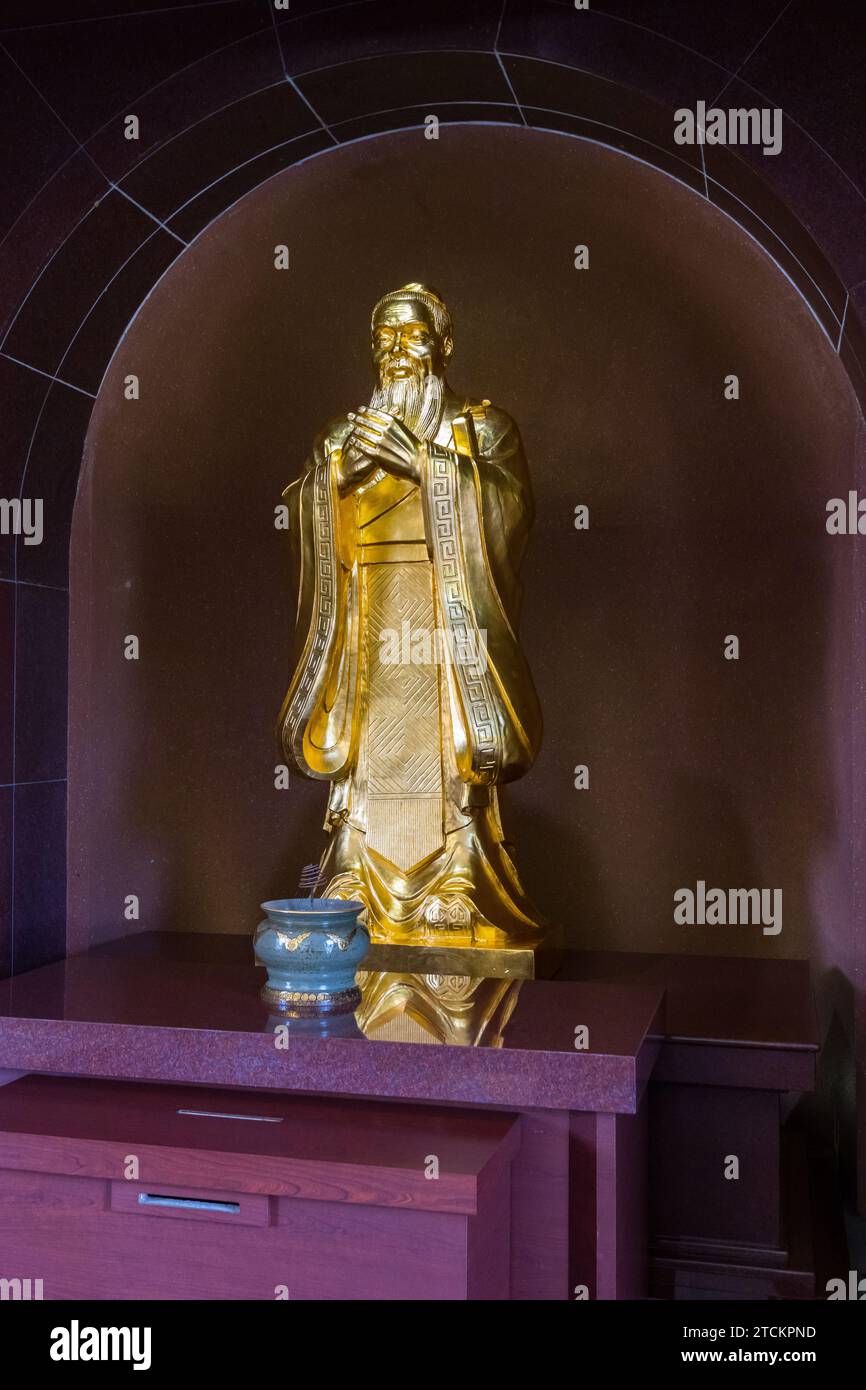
479 962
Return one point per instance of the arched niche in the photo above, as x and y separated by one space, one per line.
706 519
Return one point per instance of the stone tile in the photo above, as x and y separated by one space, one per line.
65 291
40 874
40 683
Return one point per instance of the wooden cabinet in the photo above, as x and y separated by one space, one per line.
115 1190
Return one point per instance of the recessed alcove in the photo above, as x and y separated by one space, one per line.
707 517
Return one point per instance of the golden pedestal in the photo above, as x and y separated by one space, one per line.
478 962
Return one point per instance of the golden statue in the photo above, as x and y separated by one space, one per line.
411 694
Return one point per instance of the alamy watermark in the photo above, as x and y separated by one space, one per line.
433 647
853 1288
20 1290
729 907
77 1343
22 516
754 125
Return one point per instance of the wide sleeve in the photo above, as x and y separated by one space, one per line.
316 726
478 508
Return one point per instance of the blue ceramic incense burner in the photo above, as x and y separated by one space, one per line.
311 948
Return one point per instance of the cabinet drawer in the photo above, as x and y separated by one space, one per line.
240 1196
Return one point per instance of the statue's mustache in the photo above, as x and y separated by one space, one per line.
402 364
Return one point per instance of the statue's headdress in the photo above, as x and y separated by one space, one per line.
416 293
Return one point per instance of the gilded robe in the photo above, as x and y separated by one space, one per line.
415 751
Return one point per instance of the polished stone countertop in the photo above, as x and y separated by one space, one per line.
184 1007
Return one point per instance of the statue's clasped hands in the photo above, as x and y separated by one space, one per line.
385 441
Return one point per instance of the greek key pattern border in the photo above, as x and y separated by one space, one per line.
472 679
324 607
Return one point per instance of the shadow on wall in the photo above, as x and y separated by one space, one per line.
706 519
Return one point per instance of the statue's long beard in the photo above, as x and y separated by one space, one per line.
417 401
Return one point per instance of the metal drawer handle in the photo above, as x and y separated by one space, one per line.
157 1199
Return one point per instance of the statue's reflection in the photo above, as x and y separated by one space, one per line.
460 1010
456 1009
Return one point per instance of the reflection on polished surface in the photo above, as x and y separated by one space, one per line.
187 985
454 1009
324 1028
182 1007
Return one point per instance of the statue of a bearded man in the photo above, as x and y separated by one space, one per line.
411 694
